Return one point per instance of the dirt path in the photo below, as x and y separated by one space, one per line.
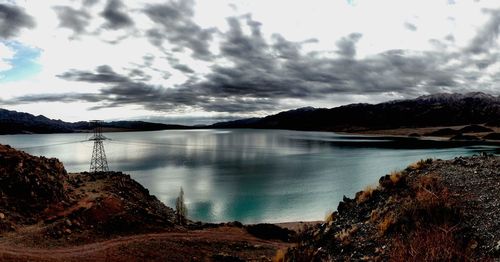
200 245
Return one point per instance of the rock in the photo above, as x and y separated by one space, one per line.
270 231
41 181
461 137
473 244
492 136
475 129
443 132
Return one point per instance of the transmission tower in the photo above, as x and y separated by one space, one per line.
98 162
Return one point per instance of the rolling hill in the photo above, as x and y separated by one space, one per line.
424 111
13 122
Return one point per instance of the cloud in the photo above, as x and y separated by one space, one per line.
183 68
262 74
138 75
250 71
90 2
175 63
486 38
65 98
76 20
115 17
173 23
450 38
105 74
248 49
347 44
12 20
121 90
410 26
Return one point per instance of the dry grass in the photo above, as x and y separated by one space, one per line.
375 214
431 204
366 194
430 193
330 217
386 223
430 244
344 236
420 164
393 180
395 177
280 256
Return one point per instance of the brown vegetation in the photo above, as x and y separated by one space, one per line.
366 194
431 211
429 244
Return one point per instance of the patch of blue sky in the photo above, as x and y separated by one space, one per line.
24 63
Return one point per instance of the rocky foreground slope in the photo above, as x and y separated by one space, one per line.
39 191
434 210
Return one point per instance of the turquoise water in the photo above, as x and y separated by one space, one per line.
245 175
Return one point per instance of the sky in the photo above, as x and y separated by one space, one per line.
201 61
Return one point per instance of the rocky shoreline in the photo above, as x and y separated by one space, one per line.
434 210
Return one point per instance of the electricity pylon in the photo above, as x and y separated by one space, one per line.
99 163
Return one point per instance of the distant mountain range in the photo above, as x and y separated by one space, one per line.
424 111
12 122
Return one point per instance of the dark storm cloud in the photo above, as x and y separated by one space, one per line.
486 38
183 68
122 90
410 26
12 20
74 19
280 70
246 49
173 21
175 63
261 74
64 98
346 45
285 49
90 2
104 74
138 75
115 17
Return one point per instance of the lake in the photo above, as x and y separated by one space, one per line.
244 174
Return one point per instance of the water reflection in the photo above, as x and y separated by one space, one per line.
247 175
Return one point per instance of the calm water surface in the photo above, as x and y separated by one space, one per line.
245 175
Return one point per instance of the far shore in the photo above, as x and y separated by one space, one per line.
422 133
297 226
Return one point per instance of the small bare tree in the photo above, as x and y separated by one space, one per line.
181 211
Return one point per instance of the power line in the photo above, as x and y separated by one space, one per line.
49 145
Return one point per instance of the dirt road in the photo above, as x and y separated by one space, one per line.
216 244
